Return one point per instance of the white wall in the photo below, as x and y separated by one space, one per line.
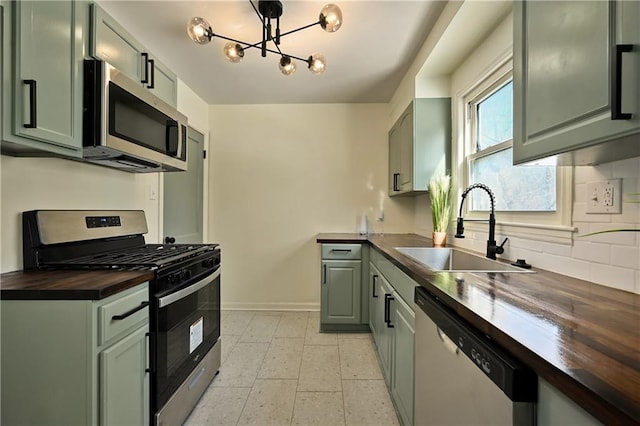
51 183
280 174
610 259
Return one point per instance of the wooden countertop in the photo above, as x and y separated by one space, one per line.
68 285
581 337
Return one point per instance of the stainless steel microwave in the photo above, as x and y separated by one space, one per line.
126 127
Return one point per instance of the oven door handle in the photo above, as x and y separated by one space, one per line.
174 297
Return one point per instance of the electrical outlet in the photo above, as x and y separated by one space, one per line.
605 197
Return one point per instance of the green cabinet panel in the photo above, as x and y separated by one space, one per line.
55 371
115 45
392 324
341 290
373 291
564 73
123 382
42 77
556 409
402 382
420 146
384 334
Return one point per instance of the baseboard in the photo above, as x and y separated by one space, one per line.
233 306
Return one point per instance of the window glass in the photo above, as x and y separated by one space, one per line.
525 188
495 118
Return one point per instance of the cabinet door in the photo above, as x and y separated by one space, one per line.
124 383
341 292
394 160
384 330
564 53
47 83
113 44
373 291
401 153
163 83
402 382
406 142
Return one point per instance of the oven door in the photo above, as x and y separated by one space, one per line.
187 326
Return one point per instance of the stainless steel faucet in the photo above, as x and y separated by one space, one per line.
492 247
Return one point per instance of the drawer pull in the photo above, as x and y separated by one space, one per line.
341 250
130 312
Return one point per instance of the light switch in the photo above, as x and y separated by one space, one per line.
604 197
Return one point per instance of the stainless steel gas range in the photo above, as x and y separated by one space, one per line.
184 296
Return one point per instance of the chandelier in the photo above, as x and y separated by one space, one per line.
330 20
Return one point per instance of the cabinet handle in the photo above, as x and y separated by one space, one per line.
152 83
33 102
324 273
341 250
616 83
387 309
152 351
130 312
373 286
395 181
145 61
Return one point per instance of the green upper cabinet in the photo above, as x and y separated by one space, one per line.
419 145
572 76
42 49
115 45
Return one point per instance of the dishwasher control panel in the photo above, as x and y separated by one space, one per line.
516 380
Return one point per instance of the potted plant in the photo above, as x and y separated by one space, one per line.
439 192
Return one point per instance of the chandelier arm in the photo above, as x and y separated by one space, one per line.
301 28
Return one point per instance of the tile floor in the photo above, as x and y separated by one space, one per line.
277 369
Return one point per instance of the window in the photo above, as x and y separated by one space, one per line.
535 195
530 188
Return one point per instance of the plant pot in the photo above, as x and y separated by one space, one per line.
439 239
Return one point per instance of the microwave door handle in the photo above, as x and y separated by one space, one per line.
172 126
181 294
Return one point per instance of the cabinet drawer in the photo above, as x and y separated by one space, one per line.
109 327
342 251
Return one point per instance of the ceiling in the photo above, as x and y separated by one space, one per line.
366 58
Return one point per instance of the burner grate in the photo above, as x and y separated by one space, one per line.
147 256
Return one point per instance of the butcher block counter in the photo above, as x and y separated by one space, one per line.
581 337
68 285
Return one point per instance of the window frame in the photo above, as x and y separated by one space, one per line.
543 226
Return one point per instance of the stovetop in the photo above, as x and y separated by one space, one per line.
149 256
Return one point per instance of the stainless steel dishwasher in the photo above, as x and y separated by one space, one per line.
462 377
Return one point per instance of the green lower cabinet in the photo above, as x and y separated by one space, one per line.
341 290
392 320
402 376
385 332
117 384
70 362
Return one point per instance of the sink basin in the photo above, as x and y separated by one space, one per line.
449 259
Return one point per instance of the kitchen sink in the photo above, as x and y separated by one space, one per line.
449 259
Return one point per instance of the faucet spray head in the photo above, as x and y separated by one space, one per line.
460 228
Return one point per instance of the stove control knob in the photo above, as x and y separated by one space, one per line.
173 278
208 263
185 275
